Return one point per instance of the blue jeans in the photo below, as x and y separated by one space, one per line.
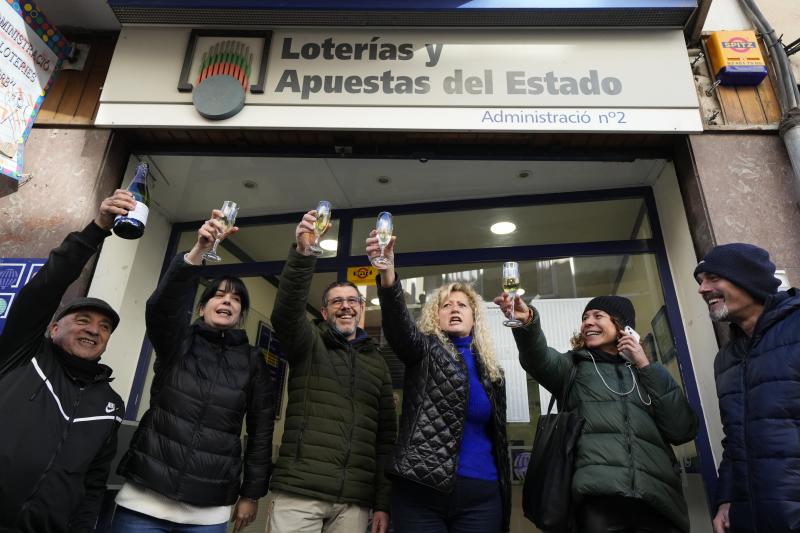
474 506
127 521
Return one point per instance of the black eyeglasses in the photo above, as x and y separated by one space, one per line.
352 301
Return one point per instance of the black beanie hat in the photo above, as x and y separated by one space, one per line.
745 265
618 307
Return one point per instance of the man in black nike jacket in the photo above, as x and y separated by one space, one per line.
59 415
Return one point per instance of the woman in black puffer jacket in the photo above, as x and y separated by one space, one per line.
449 469
184 465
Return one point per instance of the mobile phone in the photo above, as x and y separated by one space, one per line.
632 332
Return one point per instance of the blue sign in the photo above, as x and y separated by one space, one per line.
14 274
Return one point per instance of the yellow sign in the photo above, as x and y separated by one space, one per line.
363 275
736 58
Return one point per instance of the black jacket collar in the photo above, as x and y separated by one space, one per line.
81 370
334 339
230 337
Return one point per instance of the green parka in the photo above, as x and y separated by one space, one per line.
624 448
340 417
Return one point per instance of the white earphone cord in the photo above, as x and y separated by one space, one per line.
635 383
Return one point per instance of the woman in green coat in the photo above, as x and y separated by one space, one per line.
626 477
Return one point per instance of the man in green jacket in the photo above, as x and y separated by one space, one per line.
340 418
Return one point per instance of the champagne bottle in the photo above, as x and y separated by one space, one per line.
131 226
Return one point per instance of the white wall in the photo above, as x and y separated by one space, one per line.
126 275
694 312
727 15
784 17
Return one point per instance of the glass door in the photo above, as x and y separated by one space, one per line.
570 247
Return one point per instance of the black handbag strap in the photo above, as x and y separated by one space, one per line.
565 392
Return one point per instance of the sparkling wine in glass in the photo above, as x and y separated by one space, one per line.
383 228
510 287
228 219
321 226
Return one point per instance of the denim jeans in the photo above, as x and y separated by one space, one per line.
127 521
474 506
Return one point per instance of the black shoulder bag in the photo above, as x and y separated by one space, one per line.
547 492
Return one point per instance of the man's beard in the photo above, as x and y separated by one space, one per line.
332 322
721 314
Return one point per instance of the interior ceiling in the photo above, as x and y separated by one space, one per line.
186 188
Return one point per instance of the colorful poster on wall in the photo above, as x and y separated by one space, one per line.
31 52
14 274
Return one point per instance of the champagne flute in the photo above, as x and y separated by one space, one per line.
510 287
228 219
320 226
383 227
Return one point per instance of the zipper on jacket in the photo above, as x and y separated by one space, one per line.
64 435
460 438
299 443
352 354
198 423
750 493
628 428
300 440
497 451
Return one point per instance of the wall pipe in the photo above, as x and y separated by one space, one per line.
788 93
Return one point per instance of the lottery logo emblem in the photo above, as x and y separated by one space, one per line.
222 84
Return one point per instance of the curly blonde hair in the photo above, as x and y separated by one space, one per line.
429 323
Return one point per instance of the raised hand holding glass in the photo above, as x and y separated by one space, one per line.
383 228
228 219
510 287
320 226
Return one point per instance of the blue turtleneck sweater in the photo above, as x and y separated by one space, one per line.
475 459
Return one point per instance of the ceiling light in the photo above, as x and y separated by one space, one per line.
503 228
520 291
250 184
375 301
329 244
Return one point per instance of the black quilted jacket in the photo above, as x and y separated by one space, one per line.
435 403
207 383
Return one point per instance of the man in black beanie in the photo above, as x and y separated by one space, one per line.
58 412
758 379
